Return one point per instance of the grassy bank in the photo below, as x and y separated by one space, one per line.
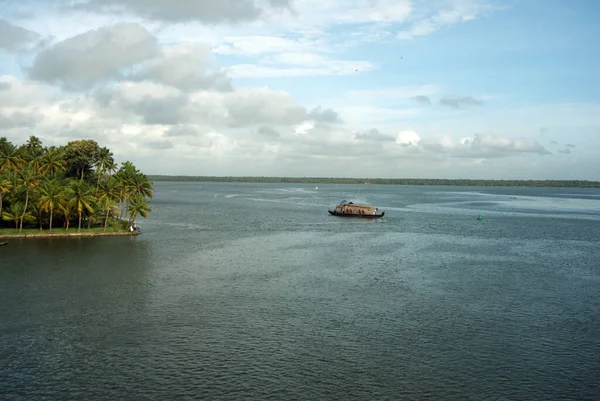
30 232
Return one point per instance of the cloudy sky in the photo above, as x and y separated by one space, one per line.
347 88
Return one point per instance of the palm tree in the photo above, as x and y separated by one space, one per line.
65 207
138 205
28 179
51 193
10 160
16 211
91 213
52 162
139 184
108 193
34 146
105 162
5 187
32 152
82 198
36 213
125 176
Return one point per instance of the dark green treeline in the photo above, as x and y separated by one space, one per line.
388 181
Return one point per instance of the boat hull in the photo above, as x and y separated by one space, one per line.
364 216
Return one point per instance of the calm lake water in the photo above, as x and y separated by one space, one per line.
253 292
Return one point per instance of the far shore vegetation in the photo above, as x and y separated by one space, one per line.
74 188
387 181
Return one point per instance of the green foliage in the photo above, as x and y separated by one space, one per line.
51 188
13 213
10 160
80 157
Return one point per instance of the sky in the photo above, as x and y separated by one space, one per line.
477 89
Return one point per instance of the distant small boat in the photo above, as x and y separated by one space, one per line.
350 209
3 243
317 187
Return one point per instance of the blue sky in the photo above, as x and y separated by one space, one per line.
450 88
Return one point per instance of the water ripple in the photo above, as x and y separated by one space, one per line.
225 299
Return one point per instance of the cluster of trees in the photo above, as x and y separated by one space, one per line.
390 181
65 185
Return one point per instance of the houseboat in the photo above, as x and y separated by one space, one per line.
350 209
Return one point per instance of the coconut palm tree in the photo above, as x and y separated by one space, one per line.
32 152
36 213
51 194
138 205
34 147
105 162
16 212
108 194
82 199
52 162
91 213
10 160
125 176
65 206
5 188
28 179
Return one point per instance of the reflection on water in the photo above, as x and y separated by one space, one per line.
252 291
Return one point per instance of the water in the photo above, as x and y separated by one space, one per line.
252 291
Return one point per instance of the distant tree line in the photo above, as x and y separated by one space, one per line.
65 185
387 181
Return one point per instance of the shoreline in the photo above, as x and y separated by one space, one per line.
451 182
67 235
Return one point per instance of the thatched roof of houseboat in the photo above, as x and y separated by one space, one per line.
358 206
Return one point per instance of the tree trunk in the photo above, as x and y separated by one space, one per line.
106 219
132 217
89 221
82 170
50 220
79 228
123 209
25 210
98 182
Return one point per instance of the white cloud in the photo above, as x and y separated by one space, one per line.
262 106
482 146
255 45
299 64
18 119
374 135
19 93
208 11
326 13
457 11
95 56
185 66
183 130
160 144
14 37
408 138
304 128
